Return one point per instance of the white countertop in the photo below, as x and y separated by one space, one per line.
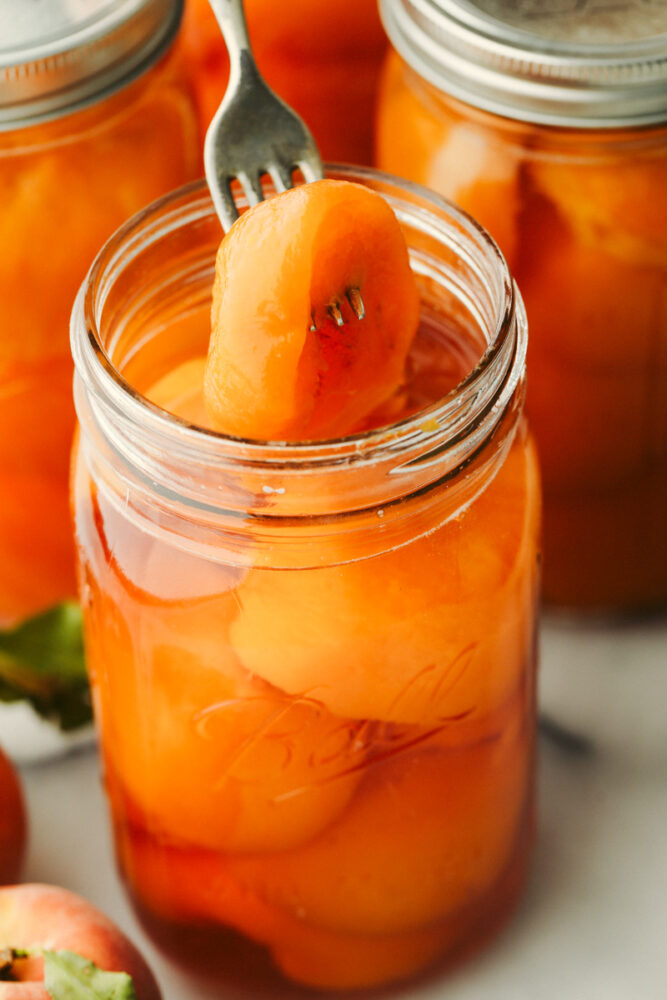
593 921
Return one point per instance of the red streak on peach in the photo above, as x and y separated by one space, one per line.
13 823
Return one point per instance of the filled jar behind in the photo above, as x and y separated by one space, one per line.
549 127
96 120
312 664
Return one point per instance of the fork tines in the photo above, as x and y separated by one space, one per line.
335 312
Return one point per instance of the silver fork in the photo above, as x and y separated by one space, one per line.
253 132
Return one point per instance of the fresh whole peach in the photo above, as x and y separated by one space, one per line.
13 826
36 918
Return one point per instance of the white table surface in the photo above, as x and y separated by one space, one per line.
593 921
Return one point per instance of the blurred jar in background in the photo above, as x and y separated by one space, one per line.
323 57
547 123
96 120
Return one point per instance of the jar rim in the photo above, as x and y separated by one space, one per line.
74 60
504 354
501 65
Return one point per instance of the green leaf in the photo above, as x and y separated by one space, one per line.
42 662
68 976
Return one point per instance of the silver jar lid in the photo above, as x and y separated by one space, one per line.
59 55
577 63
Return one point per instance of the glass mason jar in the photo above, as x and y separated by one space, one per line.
323 57
312 664
96 120
547 122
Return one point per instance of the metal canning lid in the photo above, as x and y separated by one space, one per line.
576 63
57 56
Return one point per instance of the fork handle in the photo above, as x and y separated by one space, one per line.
231 17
